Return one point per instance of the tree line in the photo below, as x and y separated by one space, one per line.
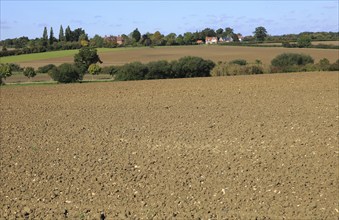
75 39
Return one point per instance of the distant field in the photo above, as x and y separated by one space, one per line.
326 42
47 55
336 43
120 56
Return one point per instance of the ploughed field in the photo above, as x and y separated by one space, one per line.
120 56
245 147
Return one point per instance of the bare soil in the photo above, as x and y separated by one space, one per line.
246 147
20 78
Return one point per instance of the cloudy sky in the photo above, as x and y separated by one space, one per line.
28 18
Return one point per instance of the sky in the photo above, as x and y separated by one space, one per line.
28 18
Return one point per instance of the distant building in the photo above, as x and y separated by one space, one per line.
225 39
211 40
120 40
110 39
200 42
240 37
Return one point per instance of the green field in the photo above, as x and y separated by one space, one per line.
50 55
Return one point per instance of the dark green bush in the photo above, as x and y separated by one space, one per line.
231 69
29 72
46 68
15 67
290 59
131 71
5 71
334 66
66 73
191 67
290 62
159 70
240 62
254 69
111 70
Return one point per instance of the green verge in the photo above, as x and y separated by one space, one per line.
54 54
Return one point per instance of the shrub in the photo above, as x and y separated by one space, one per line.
65 73
131 71
304 41
5 71
290 62
334 66
254 69
46 68
15 67
94 69
191 67
231 69
226 69
159 70
290 59
307 68
29 72
240 62
111 70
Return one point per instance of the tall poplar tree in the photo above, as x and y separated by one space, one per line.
51 36
68 34
61 34
45 38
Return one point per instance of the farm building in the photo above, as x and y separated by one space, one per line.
120 40
200 42
211 40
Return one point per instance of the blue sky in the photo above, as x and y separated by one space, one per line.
28 18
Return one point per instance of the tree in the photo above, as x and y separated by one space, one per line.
51 36
170 39
145 39
68 34
83 38
260 34
235 38
228 32
75 35
97 41
157 38
94 69
85 58
219 32
61 34
180 40
29 72
304 41
44 38
188 38
136 35
5 71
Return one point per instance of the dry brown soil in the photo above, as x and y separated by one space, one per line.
246 147
20 78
